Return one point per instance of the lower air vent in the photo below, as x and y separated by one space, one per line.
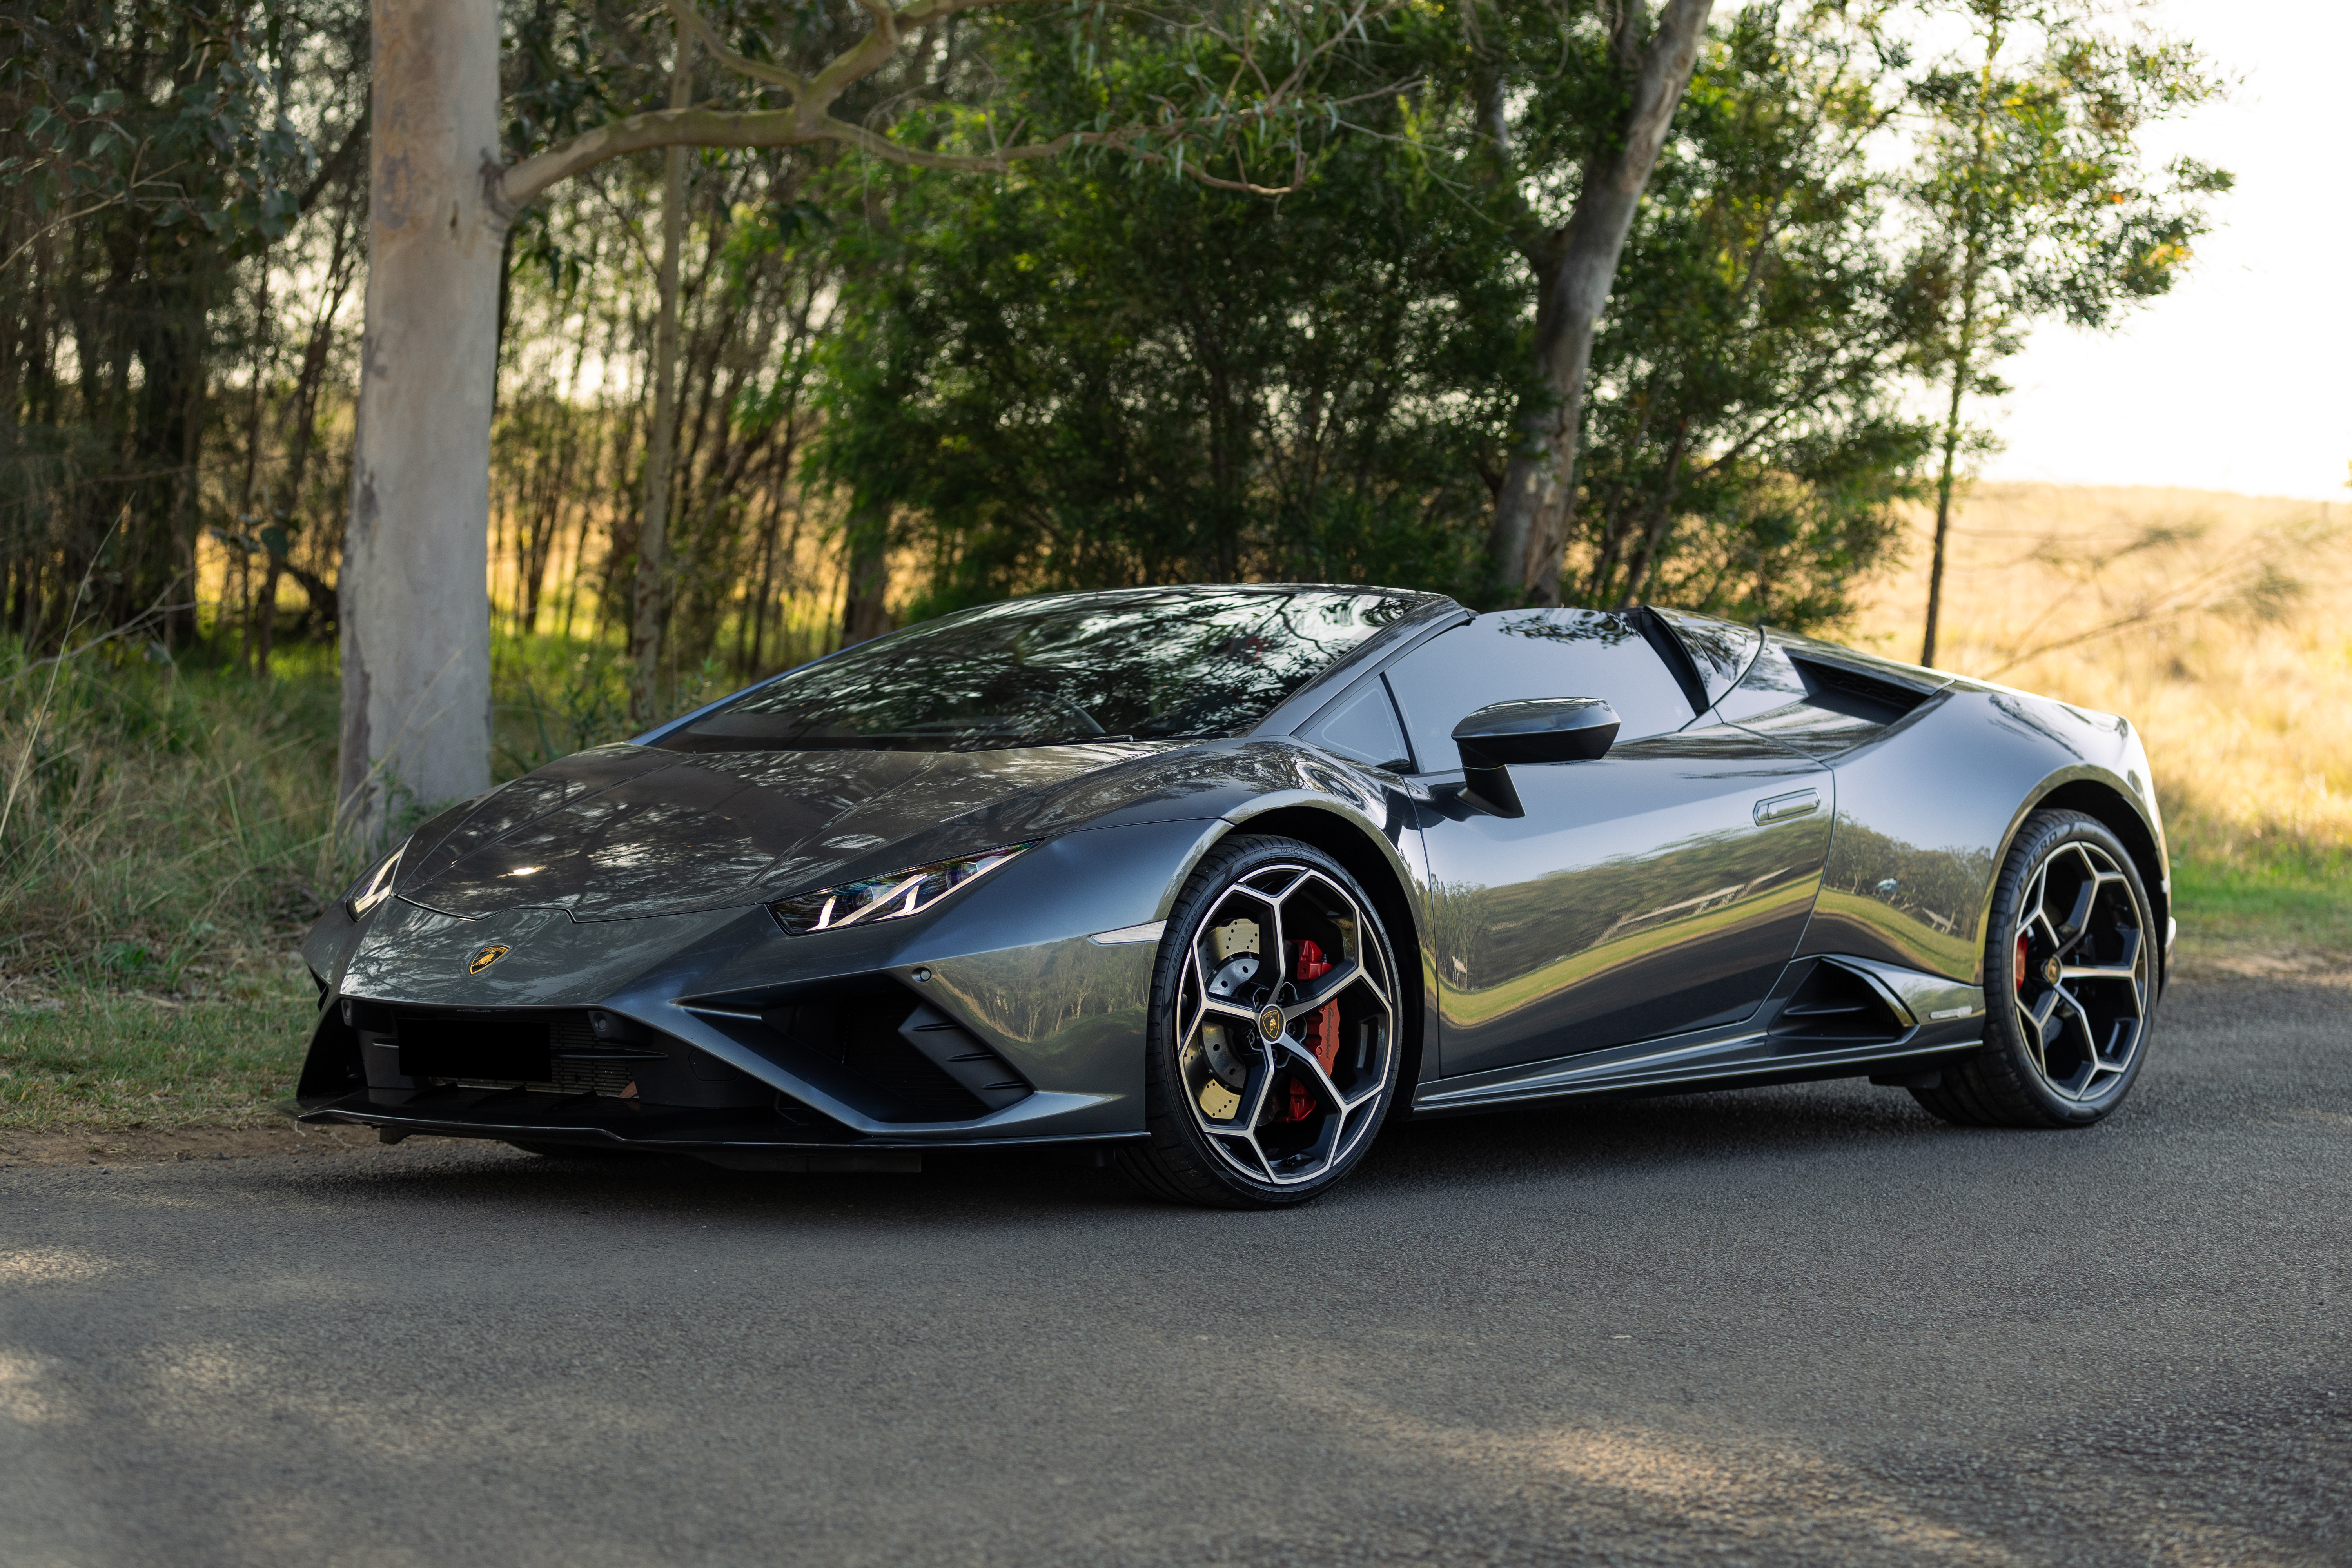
617 1079
879 1051
958 1053
1835 1005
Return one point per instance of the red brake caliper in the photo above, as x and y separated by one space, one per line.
1320 1031
2021 960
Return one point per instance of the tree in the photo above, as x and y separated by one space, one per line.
2039 201
1072 379
1745 427
150 152
1238 89
661 452
1605 105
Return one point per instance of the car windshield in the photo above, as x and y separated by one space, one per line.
1139 664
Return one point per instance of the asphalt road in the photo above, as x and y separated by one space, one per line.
1806 1325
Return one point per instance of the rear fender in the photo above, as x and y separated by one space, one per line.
1926 814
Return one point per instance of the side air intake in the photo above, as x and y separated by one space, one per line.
1869 698
1835 1005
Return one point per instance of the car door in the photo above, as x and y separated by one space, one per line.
1660 887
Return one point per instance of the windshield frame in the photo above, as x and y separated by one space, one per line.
1421 608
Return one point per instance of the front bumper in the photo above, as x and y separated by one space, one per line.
993 1021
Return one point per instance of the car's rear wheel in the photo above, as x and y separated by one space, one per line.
2070 983
1273 1049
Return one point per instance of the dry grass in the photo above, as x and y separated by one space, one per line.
2222 625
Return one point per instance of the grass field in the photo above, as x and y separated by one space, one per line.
2222 625
164 841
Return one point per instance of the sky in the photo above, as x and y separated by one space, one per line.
2240 378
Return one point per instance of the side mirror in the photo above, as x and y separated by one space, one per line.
1542 730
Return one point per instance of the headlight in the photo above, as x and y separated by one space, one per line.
890 898
375 886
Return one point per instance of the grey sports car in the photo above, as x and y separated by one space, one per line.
1216 881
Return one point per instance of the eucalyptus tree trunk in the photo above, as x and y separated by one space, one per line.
1944 479
414 617
1575 267
1970 217
865 550
651 600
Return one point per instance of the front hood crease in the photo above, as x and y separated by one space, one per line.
627 832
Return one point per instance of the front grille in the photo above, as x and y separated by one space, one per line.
493 1048
561 1053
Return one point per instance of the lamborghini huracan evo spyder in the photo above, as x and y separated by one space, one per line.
1220 879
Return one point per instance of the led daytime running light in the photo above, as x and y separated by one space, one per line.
375 886
890 898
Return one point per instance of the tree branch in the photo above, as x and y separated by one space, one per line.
513 188
691 20
809 119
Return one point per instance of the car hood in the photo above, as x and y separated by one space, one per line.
625 831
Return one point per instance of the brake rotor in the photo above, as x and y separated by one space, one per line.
1234 947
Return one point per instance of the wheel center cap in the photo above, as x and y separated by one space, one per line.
2050 972
1269 1024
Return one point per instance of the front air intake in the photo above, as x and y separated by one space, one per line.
874 1045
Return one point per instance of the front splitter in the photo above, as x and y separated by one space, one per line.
739 1139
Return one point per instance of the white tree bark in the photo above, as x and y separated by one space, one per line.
652 598
416 626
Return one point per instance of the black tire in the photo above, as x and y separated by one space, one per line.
2070 983
1238 1119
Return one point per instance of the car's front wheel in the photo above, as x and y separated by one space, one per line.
1272 1051
2070 980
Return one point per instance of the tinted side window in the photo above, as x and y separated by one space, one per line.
1515 654
1363 726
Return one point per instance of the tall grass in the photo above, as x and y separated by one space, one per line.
167 828
2220 624
159 822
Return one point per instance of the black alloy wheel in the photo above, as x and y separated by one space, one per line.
2070 983
1272 1055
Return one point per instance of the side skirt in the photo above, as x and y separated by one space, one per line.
1905 1024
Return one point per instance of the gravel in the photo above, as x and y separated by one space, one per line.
1785 1326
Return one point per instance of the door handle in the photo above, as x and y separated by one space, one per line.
1785 808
